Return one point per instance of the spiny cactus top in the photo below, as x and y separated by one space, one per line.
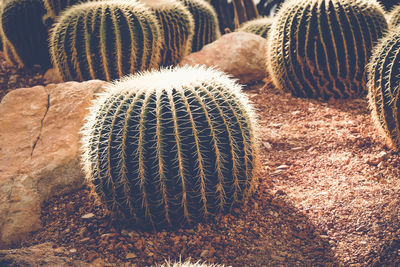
177 26
171 147
206 27
319 48
394 16
23 33
258 26
383 87
105 40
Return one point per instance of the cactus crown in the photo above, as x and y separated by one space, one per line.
383 87
171 147
23 32
319 48
105 40
177 26
258 26
206 29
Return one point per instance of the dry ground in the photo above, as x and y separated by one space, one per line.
328 195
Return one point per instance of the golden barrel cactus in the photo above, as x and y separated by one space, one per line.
319 48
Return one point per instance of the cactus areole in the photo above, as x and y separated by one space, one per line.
172 147
319 48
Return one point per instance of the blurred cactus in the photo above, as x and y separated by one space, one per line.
319 48
258 26
105 40
171 147
268 7
383 88
177 27
54 7
23 33
206 29
389 4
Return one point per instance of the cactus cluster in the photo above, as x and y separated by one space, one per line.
258 26
319 48
105 40
383 87
206 27
177 27
23 33
172 147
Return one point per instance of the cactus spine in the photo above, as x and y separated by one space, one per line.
178 29
171 147
23 33
383 88
319 48
206 29
259 26
105 40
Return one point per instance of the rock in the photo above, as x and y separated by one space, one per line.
51 76
130 255
39 255
39 151
240 54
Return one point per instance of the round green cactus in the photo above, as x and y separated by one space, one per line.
172 147
105 40
23 33
383 87
206 29
319 48
258 26
178 29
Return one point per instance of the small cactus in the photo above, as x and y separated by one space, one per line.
206 29
177 27
172 147
258 26
105 40
319 48
23 33
383 88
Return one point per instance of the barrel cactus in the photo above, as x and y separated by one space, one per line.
23 33
394 16
383 87
258 26
206 29
171 147
178 28
105 40
319 48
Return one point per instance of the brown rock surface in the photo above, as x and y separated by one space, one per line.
39 151
240 54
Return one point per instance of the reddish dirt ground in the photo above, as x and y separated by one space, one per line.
328 195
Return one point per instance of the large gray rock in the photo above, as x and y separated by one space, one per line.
39 151
240 54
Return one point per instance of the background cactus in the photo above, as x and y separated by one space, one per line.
206 29
54 7
171 147
259 26
389 4
23 33
383 87
319 48
105 40
177 27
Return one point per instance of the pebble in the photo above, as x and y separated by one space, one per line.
88 216
204 253
130 255
73 250
267 146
